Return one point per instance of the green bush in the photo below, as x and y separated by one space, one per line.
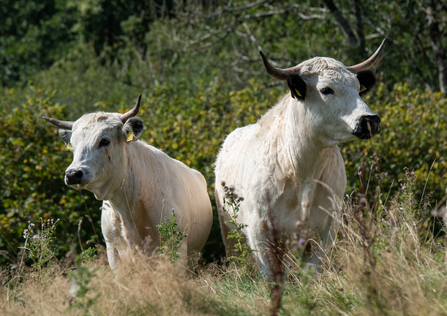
32 164
413 135
191 128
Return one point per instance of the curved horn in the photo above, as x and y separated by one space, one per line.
369 62
62 124
133 112
278 74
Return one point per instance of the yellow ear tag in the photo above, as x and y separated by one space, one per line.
69 147
298 93
362 88
129 136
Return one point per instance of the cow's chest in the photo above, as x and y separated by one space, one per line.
293 205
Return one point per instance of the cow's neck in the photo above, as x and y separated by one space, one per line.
304 152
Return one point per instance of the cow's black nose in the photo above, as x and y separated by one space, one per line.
367 127
73 176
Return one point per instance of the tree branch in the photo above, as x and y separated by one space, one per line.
438 49
342 22
359 28
404 51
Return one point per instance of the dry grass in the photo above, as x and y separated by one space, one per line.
386 261
138 286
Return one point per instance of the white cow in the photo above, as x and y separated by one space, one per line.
290 158
139 184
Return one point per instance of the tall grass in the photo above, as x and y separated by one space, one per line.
387 260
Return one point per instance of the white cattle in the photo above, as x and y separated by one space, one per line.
139 184
289 160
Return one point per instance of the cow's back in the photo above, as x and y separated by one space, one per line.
234 153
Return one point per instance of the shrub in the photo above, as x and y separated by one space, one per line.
32 164
191 128
414 135
171 237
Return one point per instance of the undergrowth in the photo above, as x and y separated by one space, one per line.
387 260
231 206
171 237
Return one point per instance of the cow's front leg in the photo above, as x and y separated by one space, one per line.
111 230
258 243
306 197
112 255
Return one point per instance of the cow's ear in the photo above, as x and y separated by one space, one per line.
367 80
297 87
65 135
133 128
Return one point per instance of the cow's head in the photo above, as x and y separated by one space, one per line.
97 141
331 95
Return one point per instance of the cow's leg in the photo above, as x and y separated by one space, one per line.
324 222
258 243
111 228
327 202
112 255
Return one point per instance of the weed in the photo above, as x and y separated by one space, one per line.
39 246
276 254
170 237
233 202
80 287
88 254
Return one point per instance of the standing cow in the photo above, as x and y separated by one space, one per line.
139 184
289 159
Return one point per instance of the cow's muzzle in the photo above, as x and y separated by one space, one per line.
73 177
367 127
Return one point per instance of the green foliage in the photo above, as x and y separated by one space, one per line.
88 255
33 160
171 237
80 288
231 207
413 135
40 246
199 70
33 34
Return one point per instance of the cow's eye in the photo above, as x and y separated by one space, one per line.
327 90
104 142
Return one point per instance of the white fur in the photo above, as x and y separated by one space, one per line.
140 185
279 158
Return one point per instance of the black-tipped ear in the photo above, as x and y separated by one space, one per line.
65 135
367 80
133 128
297 86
